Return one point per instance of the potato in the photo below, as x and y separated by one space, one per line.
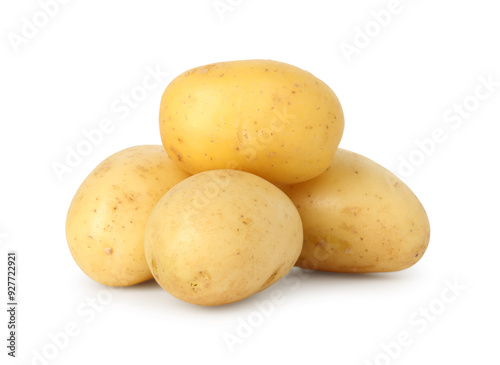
108 214
260 116
221 236
359 217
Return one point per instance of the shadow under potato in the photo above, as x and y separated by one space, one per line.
297 282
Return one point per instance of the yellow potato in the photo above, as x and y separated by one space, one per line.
265 117
221 236
108 214
359 217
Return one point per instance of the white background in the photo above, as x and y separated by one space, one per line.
400 86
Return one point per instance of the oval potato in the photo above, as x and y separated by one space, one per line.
265 117
359 217
221 236
108 214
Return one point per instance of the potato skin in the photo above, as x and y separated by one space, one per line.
108 214
221 236
359 217
261 116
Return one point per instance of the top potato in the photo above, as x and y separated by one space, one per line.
260 116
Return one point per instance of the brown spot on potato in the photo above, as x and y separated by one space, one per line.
271 278
202 280
108 250
351 210
195 287
154 268
347 228
245 220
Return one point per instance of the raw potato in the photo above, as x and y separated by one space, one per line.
221 236
107 217
359 217
260 116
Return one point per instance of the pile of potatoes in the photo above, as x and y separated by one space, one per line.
248 183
